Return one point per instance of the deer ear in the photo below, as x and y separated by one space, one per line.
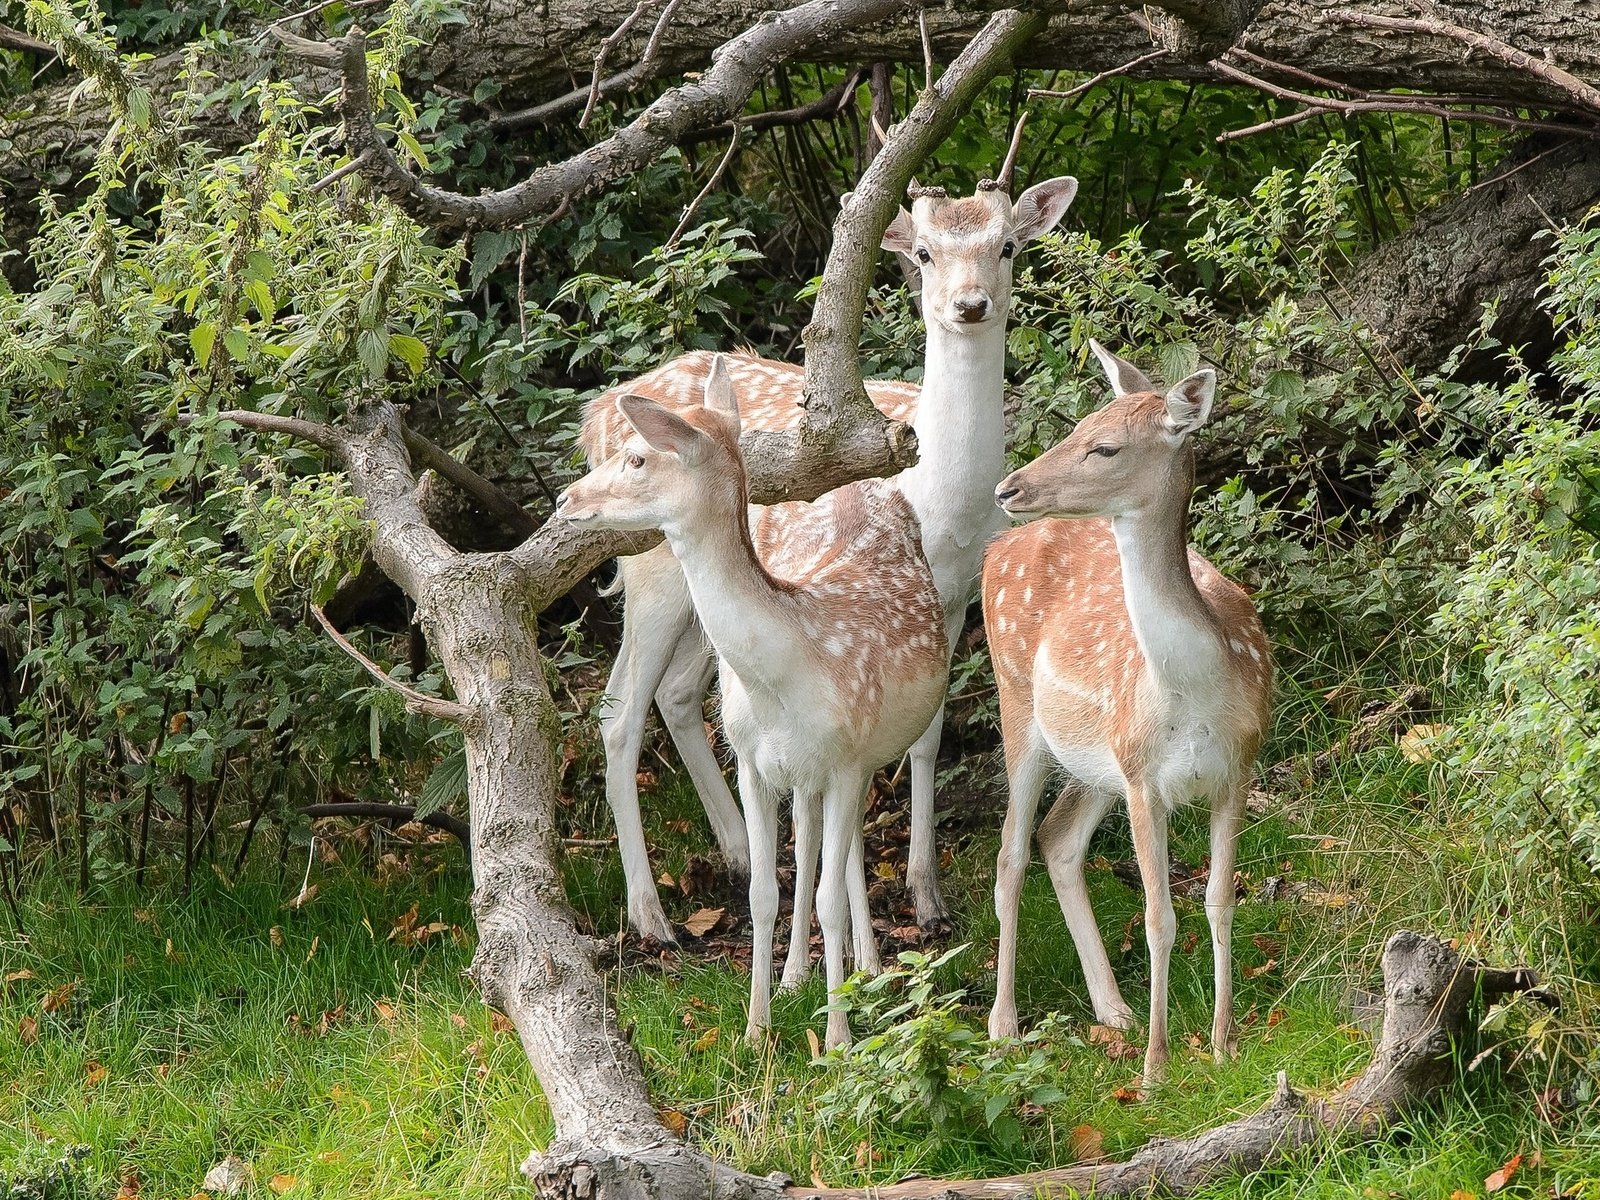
663 431
719 389
1189 404
1039 208
901 236
1126 379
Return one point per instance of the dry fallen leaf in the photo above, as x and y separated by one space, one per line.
1128 1096
385 1011
1326 899
1257 972
703 921
884 870
1500 1178
1114 1041
1088 1144
814 1042
1414 747
330 1156
458 1020
1463 1194
227 1178
817 1181
282 1183
1275 1016
674 1120
306 896
866 1155
130 1185
94 1073
57 998
707 1039
275 936
500 1023
17 977
28 1030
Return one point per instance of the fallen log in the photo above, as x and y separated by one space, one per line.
1429 990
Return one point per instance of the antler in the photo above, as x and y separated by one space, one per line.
1002 181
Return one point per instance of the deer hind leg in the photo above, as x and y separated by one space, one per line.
1227 818
681 697
656 613
841 823
1064 844
1149 823
1028 765
761 820
922 860
863 941
807 841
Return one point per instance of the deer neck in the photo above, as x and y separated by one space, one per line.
746 614
961 450
1175 627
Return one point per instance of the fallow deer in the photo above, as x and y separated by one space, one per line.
965 251
1125 657
830 639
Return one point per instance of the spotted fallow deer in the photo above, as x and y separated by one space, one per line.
965 250
1126 658
829 635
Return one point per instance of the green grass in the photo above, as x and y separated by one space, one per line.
207 1024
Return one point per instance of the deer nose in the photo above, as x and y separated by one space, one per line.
972 306
1005 492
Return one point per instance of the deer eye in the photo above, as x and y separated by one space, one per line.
1008 250
636 461
1106 451
923 256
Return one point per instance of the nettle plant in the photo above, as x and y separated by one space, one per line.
159 591
918 1064
1523 616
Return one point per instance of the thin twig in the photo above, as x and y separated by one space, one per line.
349 168
1522 166
927 49
716 177
1036 93
317 8
416 702
616 36
403 813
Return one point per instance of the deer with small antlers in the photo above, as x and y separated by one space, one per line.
1127 659
828 630
964 250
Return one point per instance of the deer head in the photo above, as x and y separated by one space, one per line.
670 469
1122 459
966 248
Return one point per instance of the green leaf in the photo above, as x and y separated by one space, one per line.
409 350
237 342
446 783
201 338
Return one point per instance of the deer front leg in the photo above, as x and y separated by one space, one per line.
807 817
1064 843
1026 771
1227 818
841 821
761 820
922 859
864 943
1149 824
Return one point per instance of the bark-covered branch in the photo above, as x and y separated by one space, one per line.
717 96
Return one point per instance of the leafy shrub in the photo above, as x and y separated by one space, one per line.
919 1065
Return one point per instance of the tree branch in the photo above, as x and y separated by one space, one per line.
416 702
403 813
717 96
